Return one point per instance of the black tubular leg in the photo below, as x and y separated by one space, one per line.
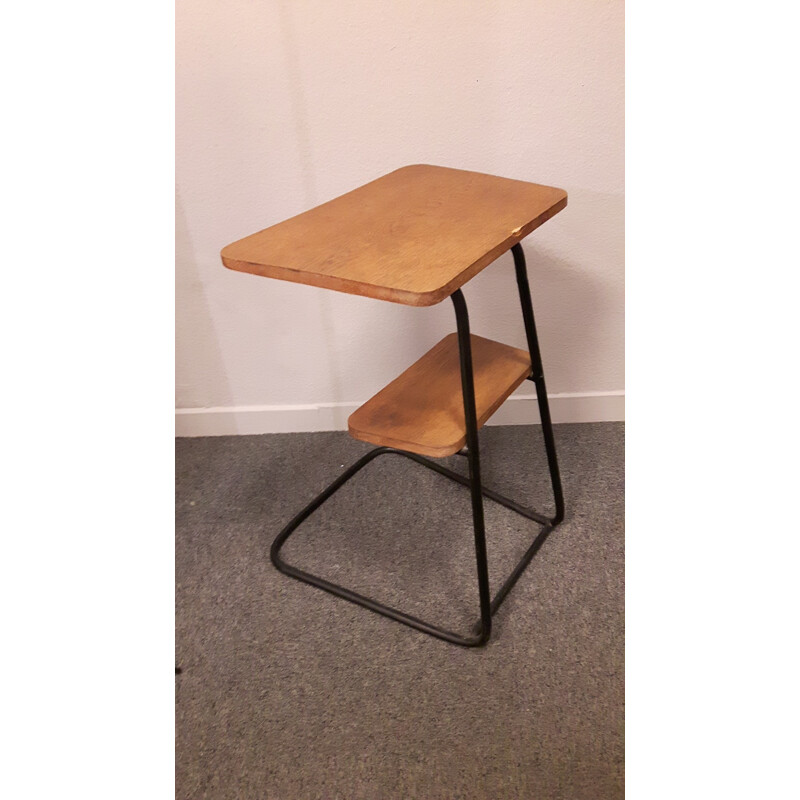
482 629
537 377
473 457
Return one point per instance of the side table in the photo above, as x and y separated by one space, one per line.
416 236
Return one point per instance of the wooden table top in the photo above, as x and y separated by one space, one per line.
413 236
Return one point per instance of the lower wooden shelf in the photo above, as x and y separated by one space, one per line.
422 410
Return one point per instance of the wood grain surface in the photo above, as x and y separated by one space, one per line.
413 236
422 410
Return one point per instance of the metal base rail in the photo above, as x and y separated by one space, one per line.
482 629
387 611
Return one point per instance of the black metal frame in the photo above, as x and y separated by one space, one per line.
482 629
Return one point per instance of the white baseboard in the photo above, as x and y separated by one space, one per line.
517 410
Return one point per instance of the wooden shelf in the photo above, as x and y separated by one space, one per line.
422 410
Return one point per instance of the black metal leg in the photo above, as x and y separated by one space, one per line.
473 458
482 629
537 376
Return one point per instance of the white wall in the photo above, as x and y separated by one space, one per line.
284 105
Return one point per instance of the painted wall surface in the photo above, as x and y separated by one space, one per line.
284 105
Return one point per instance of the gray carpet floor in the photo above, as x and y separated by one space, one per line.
288 692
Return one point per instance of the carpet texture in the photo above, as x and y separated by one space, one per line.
288 692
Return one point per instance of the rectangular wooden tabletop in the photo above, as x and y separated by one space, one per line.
413 236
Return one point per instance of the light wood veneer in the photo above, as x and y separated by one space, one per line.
413 236
422 410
